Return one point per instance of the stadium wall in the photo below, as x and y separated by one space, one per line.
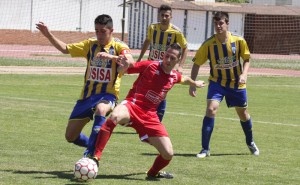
26 37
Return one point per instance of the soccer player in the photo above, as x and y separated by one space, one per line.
159 37
101 80
227 79
138 110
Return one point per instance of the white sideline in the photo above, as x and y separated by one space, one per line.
234 119
174 113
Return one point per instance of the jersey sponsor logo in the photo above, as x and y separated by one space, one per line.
154 97
100 62
157 51
159 47
100 74
156 54
226 63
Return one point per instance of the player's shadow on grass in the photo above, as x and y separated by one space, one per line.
123 176
55 174
194 155
69 175
124 133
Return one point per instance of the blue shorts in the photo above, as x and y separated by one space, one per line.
85 108
233 97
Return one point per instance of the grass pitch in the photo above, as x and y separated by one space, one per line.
35 109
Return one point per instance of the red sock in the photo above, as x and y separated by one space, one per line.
158 164
103 137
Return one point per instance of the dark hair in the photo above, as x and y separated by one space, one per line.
164 7
176 47
104 20
219 15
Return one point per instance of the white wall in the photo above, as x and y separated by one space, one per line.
178 18
263 2
296 2
276 2
63 15
196 24
199 29
236 23
205 1
15 14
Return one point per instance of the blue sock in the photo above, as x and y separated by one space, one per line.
207 129
161 110
82 140
98 122
247 128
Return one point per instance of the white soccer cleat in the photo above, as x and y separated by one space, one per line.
253 149
203 153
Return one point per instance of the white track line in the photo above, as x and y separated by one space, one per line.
174 113
234 119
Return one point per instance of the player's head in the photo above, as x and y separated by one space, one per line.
171 57
165 14
221 22
103 28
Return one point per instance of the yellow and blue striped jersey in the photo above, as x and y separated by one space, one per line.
161 39
224 59
101 75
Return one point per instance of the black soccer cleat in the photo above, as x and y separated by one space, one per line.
159 175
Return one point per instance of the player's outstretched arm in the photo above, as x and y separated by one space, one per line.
124 61
194 74
104 55
193 83
58 44
144 49
243 76
182 61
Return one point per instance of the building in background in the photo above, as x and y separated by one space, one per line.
267 27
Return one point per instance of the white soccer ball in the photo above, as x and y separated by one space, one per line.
85 169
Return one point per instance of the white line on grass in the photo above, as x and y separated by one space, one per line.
234 119
278 85
36 100
174 113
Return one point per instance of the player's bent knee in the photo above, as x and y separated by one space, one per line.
167 155
69 139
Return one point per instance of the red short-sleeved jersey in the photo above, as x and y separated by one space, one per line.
152 84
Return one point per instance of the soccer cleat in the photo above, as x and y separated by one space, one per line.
203 153
96 160
253 149
161 174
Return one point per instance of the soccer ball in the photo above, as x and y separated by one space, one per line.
85 169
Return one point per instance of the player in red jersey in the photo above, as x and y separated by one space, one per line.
159 36
138 110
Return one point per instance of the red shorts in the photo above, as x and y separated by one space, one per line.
146 123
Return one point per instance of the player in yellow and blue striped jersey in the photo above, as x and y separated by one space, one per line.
159 37
101 80
227 79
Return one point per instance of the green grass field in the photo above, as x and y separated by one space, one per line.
35 109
